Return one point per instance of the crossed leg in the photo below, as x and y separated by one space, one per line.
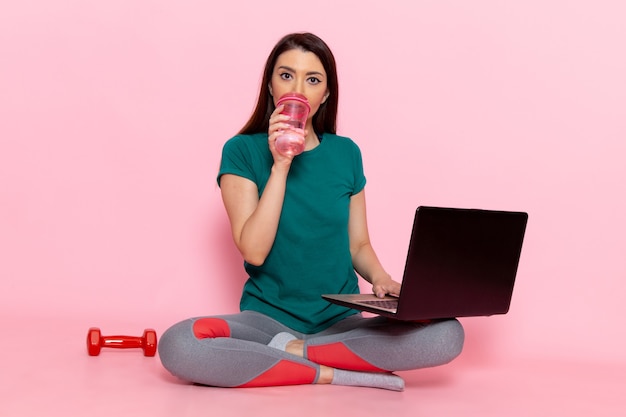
233 351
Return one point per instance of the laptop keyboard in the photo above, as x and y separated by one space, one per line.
391 304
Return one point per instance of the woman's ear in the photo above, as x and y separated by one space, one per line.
325 97
269 87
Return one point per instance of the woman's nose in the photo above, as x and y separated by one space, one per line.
299 88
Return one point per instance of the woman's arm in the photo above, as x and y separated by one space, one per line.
364 258
254 221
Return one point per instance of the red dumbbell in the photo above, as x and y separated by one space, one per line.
147 342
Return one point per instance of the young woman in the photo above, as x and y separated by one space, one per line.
300 225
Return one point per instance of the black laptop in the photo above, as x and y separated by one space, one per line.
461 263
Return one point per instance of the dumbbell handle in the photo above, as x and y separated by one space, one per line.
122 342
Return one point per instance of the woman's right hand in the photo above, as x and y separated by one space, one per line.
277 124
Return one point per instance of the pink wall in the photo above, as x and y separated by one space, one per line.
113 114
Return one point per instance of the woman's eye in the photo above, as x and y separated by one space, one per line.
314 80
285 76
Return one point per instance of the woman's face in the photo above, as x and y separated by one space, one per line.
297 71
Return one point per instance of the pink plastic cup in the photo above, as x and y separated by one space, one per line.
291 141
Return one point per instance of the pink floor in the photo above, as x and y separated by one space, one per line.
45 371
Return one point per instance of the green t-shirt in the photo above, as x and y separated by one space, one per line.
311 252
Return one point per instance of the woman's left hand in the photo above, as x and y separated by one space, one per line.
384 286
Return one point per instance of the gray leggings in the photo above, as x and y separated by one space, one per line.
232 351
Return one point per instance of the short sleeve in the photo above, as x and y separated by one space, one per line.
359 175
236 159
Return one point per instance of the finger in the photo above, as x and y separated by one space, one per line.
277 112
379 291
278 124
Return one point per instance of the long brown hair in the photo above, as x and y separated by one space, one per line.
325 120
